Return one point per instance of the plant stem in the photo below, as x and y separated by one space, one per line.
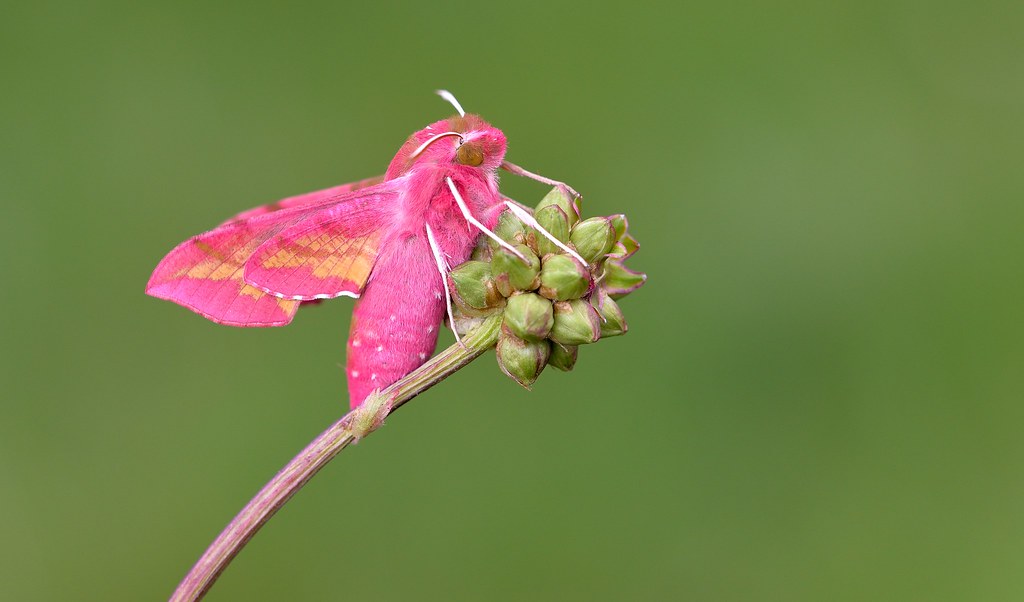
353 426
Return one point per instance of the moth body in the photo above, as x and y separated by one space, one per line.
396 320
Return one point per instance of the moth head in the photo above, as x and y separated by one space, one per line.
465 140
482 145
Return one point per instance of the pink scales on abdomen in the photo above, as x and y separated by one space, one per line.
396 319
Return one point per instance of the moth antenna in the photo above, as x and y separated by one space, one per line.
445 94
430 141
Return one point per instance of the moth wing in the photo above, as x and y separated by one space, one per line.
330 254
310 198
206 272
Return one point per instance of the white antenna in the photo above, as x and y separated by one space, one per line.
445 94
430 141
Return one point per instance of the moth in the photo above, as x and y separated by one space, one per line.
388 241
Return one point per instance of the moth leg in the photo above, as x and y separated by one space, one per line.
519 171
442 268
472 220
525 217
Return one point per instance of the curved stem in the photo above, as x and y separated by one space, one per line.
353 426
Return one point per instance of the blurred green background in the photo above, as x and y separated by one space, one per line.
820 397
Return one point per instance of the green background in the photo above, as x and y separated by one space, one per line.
820 397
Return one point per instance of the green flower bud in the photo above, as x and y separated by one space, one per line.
620 224
613 320
554 220
618 280
529 316
510 229
576 323
559 199
563 357
520 360
511 274
593 238
562 278
473 287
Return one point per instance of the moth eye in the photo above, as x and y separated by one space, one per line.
470 154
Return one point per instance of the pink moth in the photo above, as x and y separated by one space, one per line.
388 241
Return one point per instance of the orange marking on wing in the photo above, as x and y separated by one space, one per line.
224 261
287 305
251 291
210 250
248 290
216 269
328 256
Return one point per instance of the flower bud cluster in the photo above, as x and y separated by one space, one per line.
551 302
